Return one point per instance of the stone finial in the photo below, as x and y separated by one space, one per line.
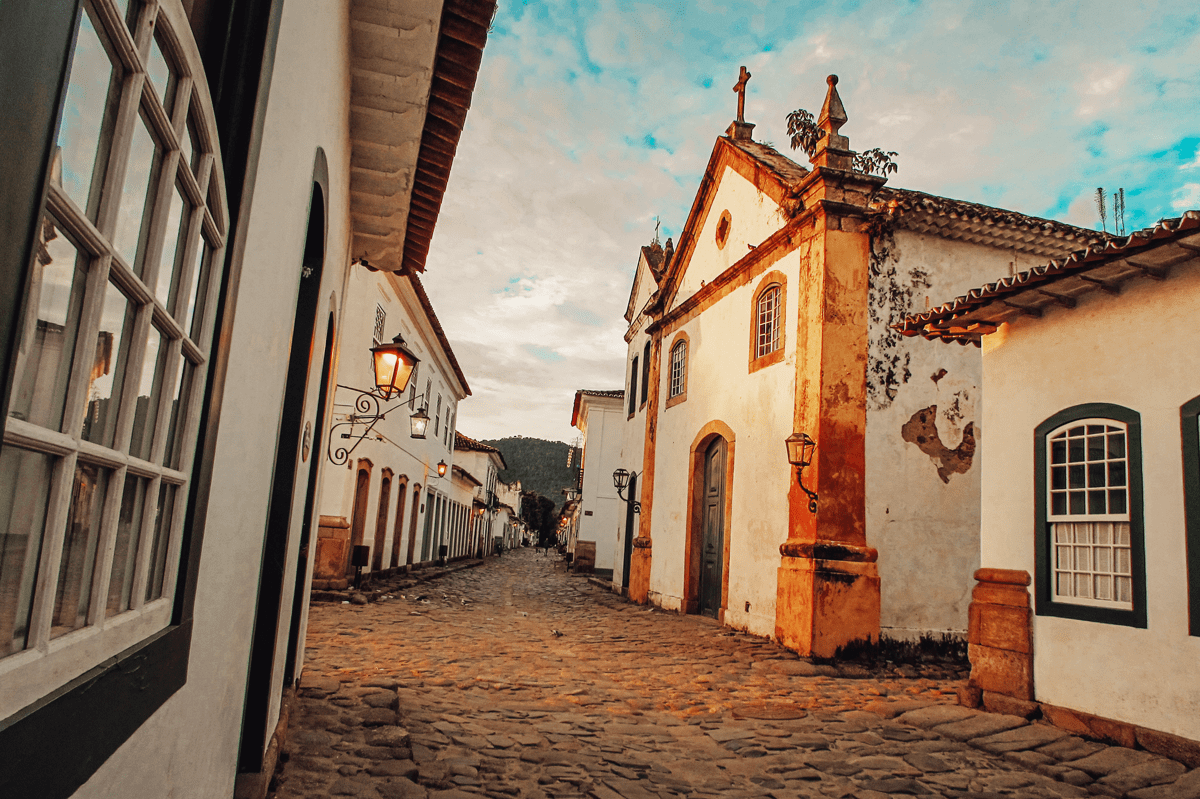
833 113
833 150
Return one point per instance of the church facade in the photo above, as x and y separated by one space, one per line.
769 321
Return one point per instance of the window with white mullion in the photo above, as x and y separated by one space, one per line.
105 548
58 508
768 321
1088 497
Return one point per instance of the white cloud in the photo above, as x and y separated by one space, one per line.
1186 197
1025 106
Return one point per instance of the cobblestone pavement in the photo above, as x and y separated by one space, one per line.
514 679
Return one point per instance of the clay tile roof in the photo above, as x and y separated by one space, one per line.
983 224
1104 265
787 169
469 444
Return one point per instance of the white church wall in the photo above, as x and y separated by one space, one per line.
1122 350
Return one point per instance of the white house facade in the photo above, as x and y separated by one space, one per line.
183 199
1091 498
600 418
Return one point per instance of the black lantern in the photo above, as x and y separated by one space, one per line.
800 454
621 482
419 421
441 467
393 364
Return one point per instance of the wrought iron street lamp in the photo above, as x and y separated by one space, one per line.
800 454
393 365
621 481
441 468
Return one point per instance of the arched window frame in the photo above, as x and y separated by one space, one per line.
772 280
1189 418
1047 602
677 389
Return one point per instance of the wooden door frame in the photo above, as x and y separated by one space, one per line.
382 513
415 493
695 516
364 465
401 506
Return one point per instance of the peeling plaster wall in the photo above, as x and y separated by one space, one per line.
1124 350
758 408
923 496
753 217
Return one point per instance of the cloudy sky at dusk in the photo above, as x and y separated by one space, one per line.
592 119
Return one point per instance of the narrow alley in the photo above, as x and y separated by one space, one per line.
515 679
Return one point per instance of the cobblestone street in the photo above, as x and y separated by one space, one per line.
514 679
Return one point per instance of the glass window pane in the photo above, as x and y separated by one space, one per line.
188 152
1083 558
1124 589
1103 586
1058 477
1095 428
1078 504
1063 557
1096 502
1058 504
1064 585
1058 452
1104 533
1062 533
145 413
160 74
1095 475
1083 585
1116 445
1075 450
1103 559
128 538
199 270
56 288
24 492
183 383
162 535
76 568
1077 476
176 237
1123 561
1116 473
108 367
1116 502
86 111
132 222
1095 446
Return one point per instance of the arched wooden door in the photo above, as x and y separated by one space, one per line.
385 496
712 521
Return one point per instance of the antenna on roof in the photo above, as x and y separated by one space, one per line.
1100 207
1119 211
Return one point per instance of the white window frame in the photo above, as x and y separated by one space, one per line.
678 368
48 662
377 335
1076 550
767 319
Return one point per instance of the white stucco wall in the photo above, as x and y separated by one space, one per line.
633 429
188 748
602 427
758 408
925 528
753 217
1125 350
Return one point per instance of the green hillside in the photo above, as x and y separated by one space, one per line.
540 465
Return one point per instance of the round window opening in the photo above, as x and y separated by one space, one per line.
723 229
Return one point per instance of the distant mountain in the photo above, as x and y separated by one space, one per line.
540 465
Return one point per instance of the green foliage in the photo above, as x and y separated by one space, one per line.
802 127
538 513
540 465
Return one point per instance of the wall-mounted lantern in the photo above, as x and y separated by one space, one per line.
621 481
392 365
800 454
441 467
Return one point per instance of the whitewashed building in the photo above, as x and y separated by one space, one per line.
770 321
379 496
1091 497
183 198
485 463
599 416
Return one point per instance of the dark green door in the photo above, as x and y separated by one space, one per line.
713 530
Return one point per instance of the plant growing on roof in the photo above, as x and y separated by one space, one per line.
802 127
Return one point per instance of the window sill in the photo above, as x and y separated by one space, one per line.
769 359
1092 613
678 398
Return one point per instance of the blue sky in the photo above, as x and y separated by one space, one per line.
591 119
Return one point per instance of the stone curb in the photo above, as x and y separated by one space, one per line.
415 577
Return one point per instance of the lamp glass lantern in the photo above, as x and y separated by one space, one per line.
800 449
393 365
621 479
420 421
441 468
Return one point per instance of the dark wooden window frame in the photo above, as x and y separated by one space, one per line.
1189 419
1045 604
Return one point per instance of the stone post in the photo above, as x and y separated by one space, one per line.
828 584
1000 634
